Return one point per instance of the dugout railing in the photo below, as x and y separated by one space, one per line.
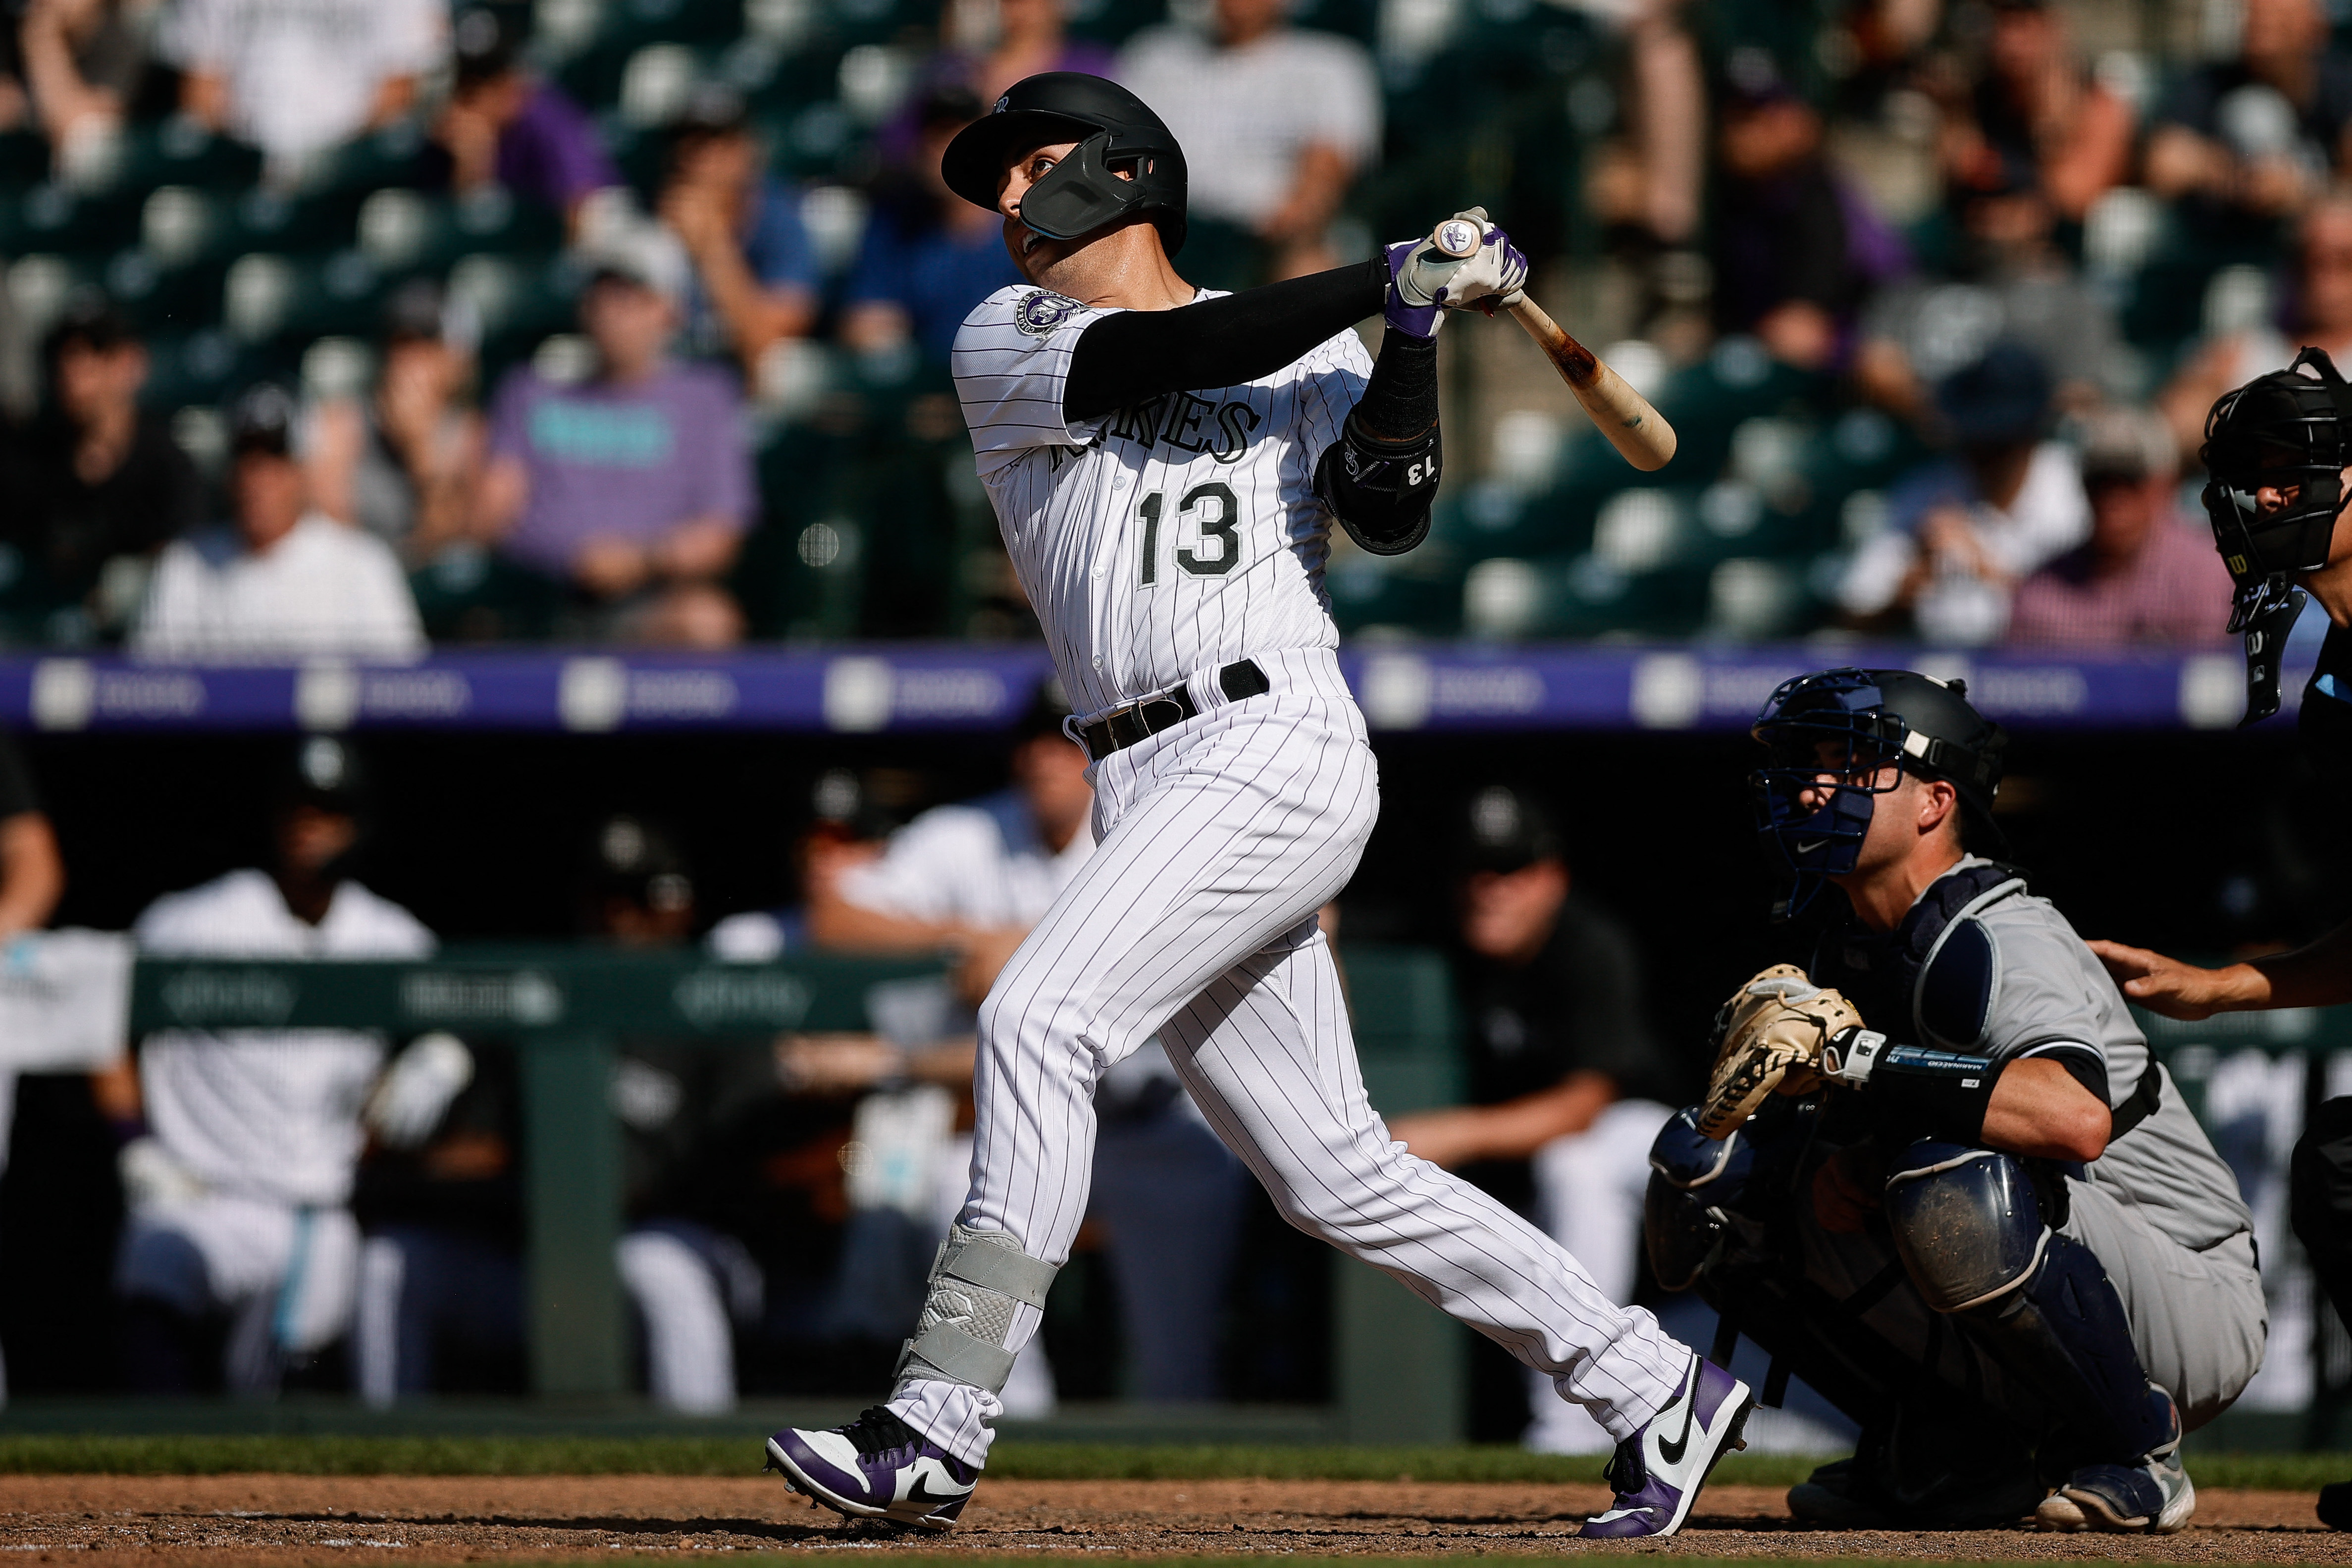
1397 1370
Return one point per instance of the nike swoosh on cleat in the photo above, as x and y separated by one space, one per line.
1672 1453
922 1492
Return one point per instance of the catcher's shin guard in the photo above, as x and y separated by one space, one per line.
1968 1226
1931 1456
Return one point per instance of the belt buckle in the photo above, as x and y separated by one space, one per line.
1158 713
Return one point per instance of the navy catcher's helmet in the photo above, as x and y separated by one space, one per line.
1844 725
2290 432
1115 130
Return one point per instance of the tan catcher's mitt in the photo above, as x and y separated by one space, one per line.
1771 1033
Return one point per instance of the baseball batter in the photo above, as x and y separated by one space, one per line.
1978 1217
1166 465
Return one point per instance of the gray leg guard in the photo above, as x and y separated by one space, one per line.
977 1280
1969 1226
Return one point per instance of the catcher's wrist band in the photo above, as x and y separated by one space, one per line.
1936 1094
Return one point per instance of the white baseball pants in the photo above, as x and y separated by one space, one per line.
1194 917
1590 1188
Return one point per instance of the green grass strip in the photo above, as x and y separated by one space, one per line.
204 1455
187 1455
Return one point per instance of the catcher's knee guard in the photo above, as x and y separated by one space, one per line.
1692 1178
1966 1223
977 1280
1968 1226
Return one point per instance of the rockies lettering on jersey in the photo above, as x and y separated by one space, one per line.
1174 535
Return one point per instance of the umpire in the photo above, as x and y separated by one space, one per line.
2278 453
1978 1218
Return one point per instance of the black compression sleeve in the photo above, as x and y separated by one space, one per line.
1135 354
1379 477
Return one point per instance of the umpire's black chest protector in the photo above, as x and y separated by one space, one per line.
1932 980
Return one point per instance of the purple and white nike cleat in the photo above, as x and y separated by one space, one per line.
877 1466
1656 1473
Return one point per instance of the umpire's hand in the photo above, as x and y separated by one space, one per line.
2174 989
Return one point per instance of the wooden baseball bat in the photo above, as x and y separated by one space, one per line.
1639 432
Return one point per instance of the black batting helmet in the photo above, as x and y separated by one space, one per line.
2290 431
1115 133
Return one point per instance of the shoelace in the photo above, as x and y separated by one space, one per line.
876 1431
1625 1473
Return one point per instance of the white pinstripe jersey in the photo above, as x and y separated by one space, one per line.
1172 536
270 1114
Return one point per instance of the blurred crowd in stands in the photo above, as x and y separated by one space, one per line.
346 325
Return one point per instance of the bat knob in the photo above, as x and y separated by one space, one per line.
1457 236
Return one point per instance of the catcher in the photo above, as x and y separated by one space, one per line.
1937 1175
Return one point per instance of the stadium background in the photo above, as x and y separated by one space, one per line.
2158 827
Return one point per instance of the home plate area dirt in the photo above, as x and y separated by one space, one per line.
289 1520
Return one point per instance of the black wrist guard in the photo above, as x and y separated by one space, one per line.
1916 1092
1380 476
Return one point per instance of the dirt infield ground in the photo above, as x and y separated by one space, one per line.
218 1521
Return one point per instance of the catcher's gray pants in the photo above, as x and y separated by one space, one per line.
1194 917
2198 1319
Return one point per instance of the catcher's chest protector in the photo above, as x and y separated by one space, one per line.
1931 981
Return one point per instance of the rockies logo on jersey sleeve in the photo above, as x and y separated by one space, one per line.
1012 363
1040 312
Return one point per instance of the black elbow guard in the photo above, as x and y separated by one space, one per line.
1380 490
1381 475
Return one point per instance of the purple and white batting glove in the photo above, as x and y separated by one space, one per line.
1415 312
1494 277
1467 262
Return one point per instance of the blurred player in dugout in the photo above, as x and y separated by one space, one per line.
442 1283
239 1255
734 1237
1562 1065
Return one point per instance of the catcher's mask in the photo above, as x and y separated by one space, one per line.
1829 737
2291 433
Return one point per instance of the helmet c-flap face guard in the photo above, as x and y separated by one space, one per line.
2286 435
1124 161
1837 740
1084 191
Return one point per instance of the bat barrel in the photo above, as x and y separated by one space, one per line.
1641 434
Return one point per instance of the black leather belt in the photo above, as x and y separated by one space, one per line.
1123 727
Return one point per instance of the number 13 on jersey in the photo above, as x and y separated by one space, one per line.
1210 514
